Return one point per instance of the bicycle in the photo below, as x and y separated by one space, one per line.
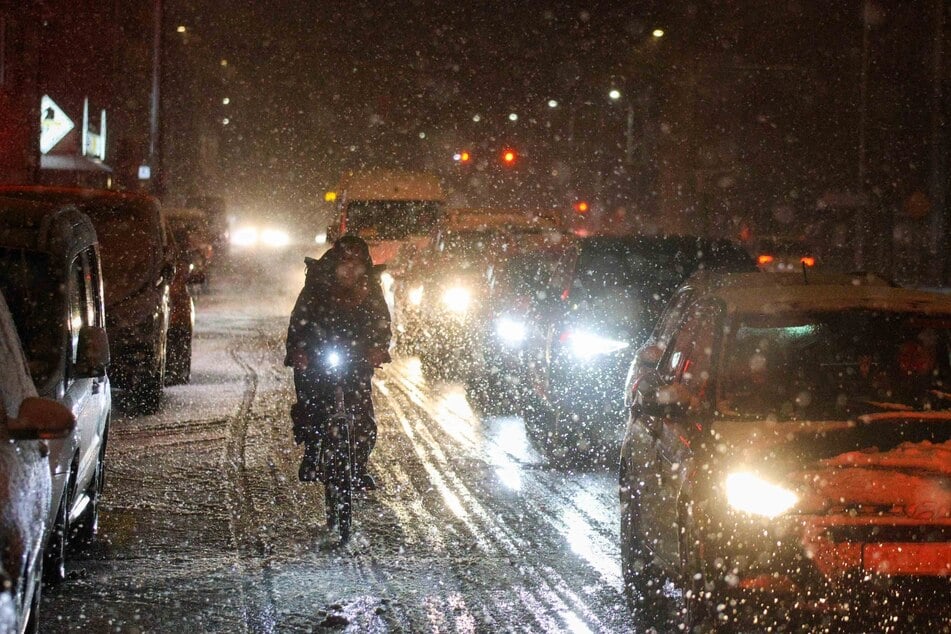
336 454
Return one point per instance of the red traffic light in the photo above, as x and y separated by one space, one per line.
581 207
509 156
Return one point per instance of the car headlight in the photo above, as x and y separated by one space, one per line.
457 299
244 237
752 494
415 295
587 345
321 238
275 238
510 331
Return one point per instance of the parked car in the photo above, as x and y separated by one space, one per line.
181 325
608 292
138 267
648 355
195 242
27 423
791 451
782 255
50 277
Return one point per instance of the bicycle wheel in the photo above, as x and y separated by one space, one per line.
344 496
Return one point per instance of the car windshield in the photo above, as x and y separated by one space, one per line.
392 219
835 365
130 238
34 297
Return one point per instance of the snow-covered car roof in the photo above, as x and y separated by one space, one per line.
830 297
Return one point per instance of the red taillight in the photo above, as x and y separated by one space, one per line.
764 259
808 261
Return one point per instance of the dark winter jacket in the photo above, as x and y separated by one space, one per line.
319 319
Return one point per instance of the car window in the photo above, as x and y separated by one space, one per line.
79 305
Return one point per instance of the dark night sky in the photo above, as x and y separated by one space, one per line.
324 86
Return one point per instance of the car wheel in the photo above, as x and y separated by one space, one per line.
54 565
33 616
699 614
179 366
88 524
643 582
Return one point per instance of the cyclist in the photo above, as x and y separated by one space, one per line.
341 306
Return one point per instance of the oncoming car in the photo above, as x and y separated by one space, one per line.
791 452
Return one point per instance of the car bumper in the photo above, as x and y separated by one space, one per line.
830 565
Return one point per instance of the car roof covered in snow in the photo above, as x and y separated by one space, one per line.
59 229
829 297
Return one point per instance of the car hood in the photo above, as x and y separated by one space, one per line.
889 462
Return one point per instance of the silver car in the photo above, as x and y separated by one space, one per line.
25 484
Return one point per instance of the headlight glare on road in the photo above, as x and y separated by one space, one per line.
275 238
752 494
510 331
587 345
415 295
244 237
457 299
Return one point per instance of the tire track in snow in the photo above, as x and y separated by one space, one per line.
598 548
492 534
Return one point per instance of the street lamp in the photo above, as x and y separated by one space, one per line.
552 103
614 94
658 33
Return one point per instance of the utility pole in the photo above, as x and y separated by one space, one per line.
939 158
155 144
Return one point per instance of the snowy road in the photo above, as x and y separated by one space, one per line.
205 526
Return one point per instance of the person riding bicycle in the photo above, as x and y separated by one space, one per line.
340 307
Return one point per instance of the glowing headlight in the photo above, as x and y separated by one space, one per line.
587 345
510 330
333 359
457 299
244 237
275 238
321 238
750 493
415 295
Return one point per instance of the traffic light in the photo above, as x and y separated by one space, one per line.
509 156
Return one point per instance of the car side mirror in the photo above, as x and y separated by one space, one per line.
92 355
195 275
166 274
41 419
